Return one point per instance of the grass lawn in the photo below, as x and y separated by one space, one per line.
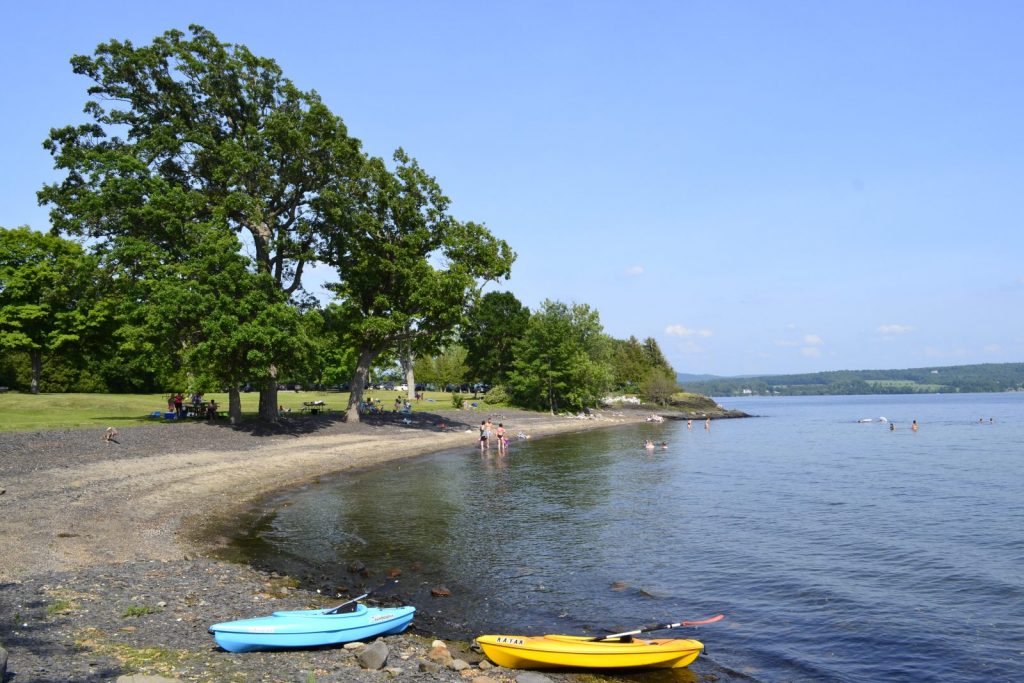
19 412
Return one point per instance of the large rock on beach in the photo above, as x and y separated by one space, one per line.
374 656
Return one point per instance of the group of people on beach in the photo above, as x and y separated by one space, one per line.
488 431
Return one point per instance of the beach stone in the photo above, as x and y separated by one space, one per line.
440 592
484 665
374 656
429 667
532 677
440 655
142 678
483 679
3 663
458 665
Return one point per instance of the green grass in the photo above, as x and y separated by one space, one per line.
23 412
140 611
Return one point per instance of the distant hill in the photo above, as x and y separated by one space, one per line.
987 377
682 377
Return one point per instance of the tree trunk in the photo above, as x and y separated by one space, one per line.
366 357
268 398
410 376
234 405
37 369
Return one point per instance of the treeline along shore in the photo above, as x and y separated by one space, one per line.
106 570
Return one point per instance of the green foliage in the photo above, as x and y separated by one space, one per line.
139 611
408 270
658 386
458 401
496 396
48 301
202 137
560 363
493 325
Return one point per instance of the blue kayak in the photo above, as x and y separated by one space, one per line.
310 628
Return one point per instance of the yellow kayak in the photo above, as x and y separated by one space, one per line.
580 652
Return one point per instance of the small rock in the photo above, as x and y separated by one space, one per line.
428 667
532 677
440 655
483 679
3 664
458 665
485 665
374 656
354 645
142 678
356 566
393 572
439 643
440 592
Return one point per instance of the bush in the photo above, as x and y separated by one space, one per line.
497 395
457 401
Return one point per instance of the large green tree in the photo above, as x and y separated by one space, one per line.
561 362
493 326
49 301
408 270
190 133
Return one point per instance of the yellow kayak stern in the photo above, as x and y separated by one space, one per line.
580 652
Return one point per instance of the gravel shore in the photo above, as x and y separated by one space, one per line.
103 576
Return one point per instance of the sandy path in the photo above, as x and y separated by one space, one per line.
141 508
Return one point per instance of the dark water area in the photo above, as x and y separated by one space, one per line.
839 550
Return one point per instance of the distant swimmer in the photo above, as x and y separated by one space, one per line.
689 424
892 427
664 445
913 425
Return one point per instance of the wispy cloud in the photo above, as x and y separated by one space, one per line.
635 270
811 352
681 331
895 329
813 340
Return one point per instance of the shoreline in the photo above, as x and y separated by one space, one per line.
91 527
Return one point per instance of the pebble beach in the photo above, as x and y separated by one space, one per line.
107 572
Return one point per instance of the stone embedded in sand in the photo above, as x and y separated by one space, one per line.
440 592
393 572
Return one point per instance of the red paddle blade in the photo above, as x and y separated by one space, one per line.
701 622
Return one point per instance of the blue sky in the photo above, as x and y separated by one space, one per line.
763 187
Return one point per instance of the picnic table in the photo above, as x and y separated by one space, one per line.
314 407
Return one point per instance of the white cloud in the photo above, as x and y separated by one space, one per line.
895 329
635 270
680 331
813 340
811 351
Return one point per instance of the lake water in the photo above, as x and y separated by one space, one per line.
839 551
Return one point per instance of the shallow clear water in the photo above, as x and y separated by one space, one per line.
838 550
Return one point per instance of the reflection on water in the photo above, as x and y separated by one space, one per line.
839 550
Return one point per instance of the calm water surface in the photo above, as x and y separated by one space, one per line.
839 551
